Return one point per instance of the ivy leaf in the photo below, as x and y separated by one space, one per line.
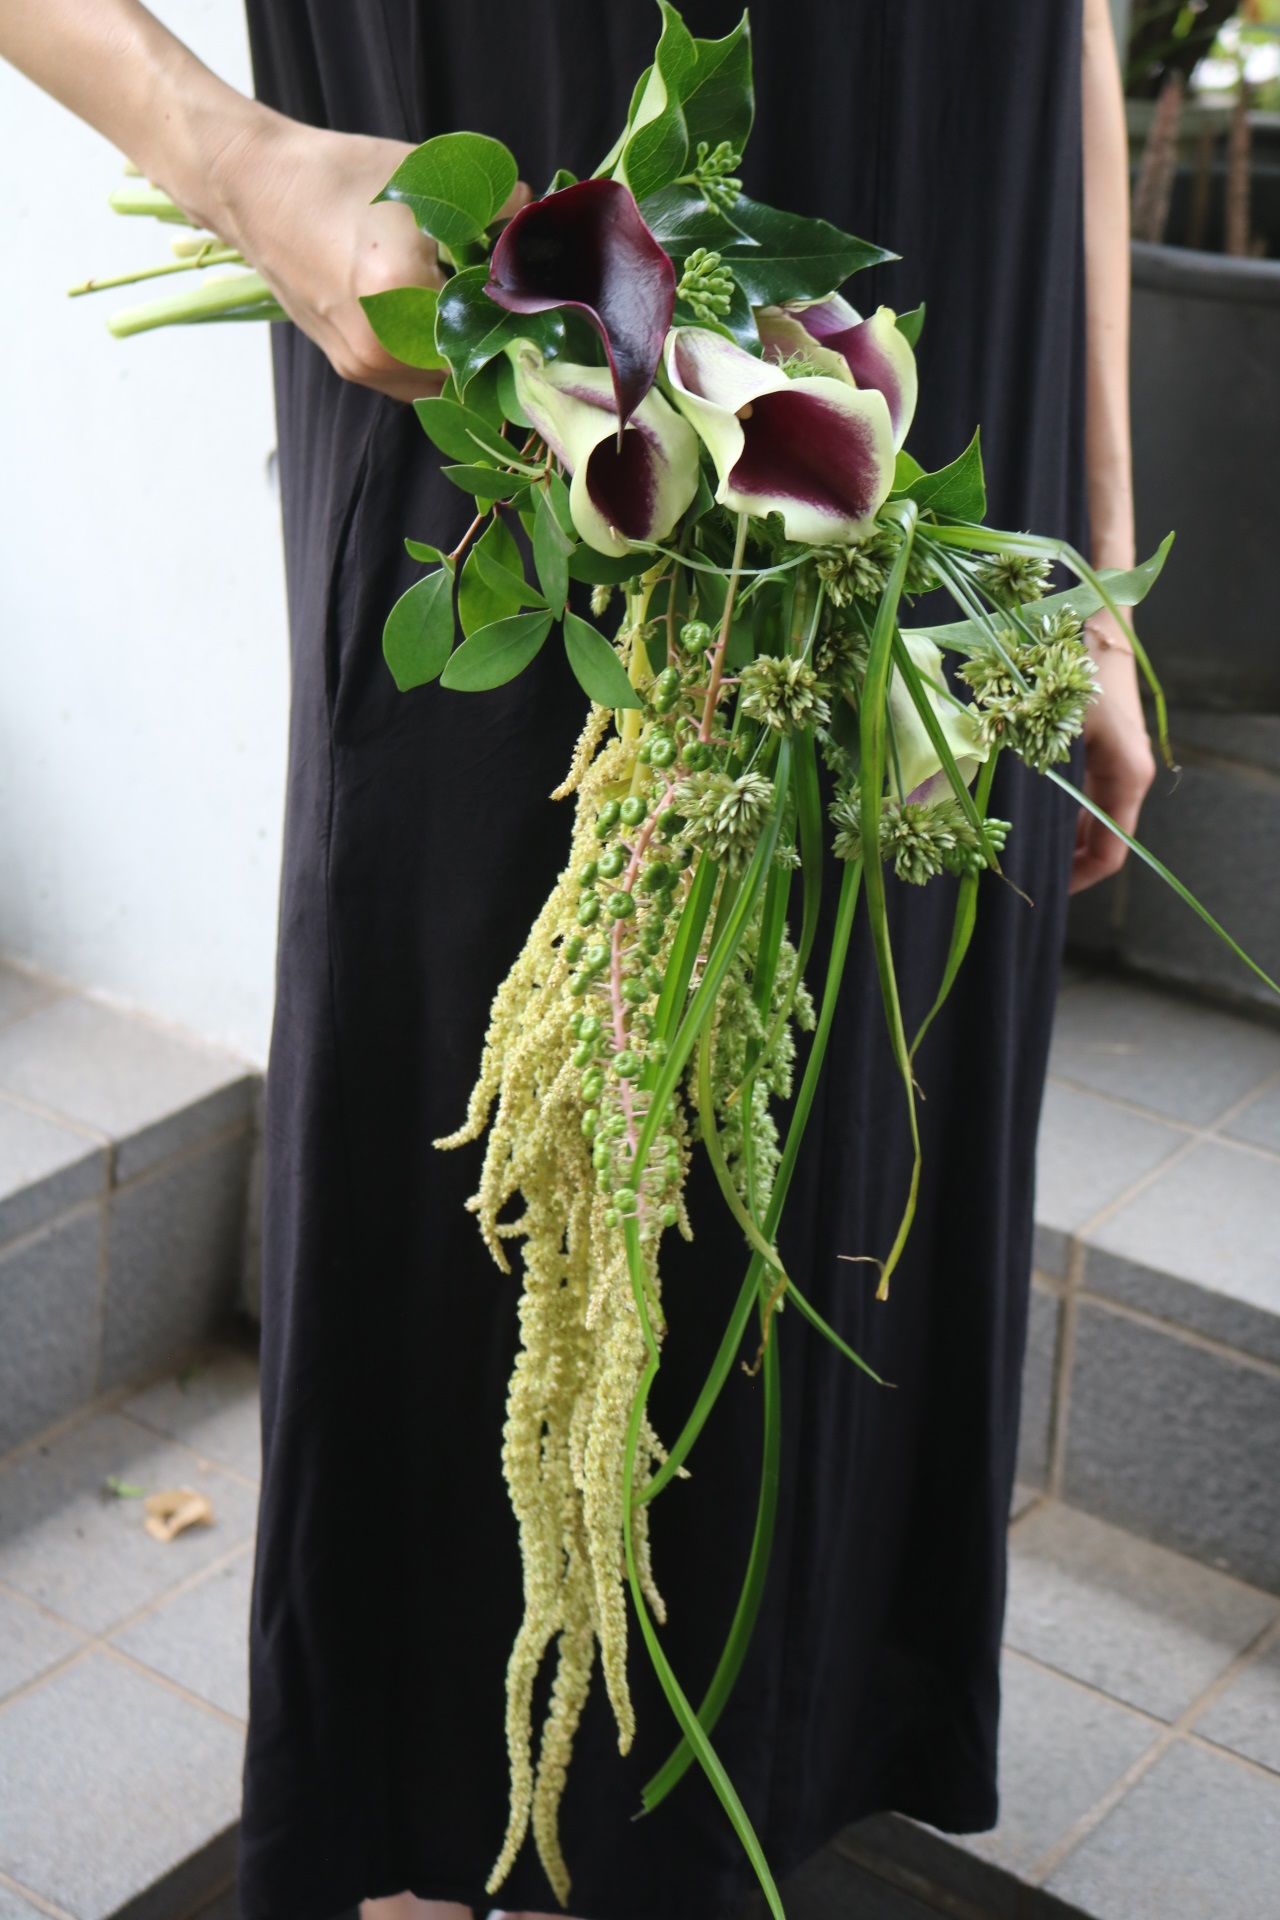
496 653
404 319
471 328
911 324
454 185
419 631
793 258
481 601
551 549
958 491
596 666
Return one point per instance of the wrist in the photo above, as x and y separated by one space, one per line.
201 151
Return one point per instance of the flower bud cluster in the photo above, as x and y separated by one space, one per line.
714 172
1040 718
783 694
725 815
861 571
706 286
1013 579
921 838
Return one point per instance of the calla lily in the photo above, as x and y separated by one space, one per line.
587 247
815 450
831 335
625 488
917 764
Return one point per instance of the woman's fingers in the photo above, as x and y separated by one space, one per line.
1119 765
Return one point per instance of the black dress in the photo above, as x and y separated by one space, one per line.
420 843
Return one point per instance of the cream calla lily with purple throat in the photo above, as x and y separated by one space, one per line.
624 491
815 450
913 758
832 335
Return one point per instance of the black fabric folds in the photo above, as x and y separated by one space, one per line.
419 845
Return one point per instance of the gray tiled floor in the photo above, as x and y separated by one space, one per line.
120 1757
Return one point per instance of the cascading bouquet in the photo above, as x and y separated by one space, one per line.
655 388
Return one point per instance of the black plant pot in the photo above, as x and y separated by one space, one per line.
1206 443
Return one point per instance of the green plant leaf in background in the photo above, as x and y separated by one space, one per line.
786 257
482 600
419 631
419 550
602 569
680 220
696 90
551 549
959 491
454 185
404 319
596 666
470 329
496 654
486 483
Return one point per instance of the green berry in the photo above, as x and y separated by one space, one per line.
633 810
579 985
682 857
696 755
669 823
655 877
611 1217
587 873
644 753
588 909
607 819
600 1155
615 1126
584 1053
588 1027
619 906
669 1216
665 693
596 956
695 636
611 863
625 1199
592 1086
626 1065
662 752
590 1121
634 991
573 948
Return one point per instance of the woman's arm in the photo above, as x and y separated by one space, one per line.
1119 766
294 199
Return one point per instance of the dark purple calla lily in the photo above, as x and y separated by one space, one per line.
587 247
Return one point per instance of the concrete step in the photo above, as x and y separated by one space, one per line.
126 1154
1152 1387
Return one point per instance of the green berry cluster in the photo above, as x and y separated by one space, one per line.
714 172
706 286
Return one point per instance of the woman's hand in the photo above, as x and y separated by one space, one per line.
296 201
1118 762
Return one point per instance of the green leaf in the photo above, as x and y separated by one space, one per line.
559 497
496 654
404 320
486 483
720 104
911 324
958 492
508 579
454 185
680 220
471 329
603 569
1127 589
659 144
419 631
561 179
596 666
793 258
481 599
551 549
458 431
906 472
419 550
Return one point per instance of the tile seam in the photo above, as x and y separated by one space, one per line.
175 1687
1092 1819
113 1397
36 1899
1187 1336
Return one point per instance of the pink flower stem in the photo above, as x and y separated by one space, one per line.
717 658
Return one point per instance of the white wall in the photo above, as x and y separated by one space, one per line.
142 624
